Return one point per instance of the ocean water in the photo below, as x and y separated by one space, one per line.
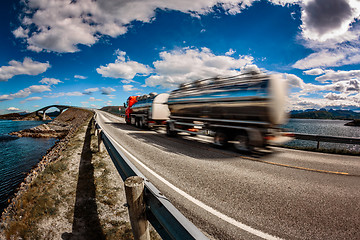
18 156
323 127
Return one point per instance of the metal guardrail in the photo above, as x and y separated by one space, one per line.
163 216
331 139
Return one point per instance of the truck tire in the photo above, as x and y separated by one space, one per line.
221 139
241 142
137 123
141 123
170 132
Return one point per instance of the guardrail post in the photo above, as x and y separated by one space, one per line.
100 142
134 189
318 144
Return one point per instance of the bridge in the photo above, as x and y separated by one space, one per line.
44 109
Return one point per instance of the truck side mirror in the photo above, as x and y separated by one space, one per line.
124 105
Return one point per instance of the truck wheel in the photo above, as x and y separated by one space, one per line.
241 142
141 123
137 123
170 132
220 139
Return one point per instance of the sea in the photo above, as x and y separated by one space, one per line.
18 156
323 127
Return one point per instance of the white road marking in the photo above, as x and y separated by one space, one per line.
198 202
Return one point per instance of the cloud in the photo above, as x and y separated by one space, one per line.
129 88
80 77
107 90
329 29
25 92
337 76
90 90
342 55
92 99
123 68
61 26
325 19
31 99
338 89
50 81
315 71
294 81
65 94
230 52
27 67
334 96
13 109
187 64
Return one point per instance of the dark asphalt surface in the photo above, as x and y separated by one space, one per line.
281 193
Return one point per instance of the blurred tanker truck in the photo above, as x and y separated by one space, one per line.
244 110
147 111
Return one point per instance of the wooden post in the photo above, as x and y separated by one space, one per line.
318 145
100 142
134 189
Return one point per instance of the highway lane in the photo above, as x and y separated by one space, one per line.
282 194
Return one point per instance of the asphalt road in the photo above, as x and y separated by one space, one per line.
282 193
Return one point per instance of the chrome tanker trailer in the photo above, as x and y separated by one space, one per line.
149 110
245 110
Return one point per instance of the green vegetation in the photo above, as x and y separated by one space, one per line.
325 114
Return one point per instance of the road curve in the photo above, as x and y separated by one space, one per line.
282 194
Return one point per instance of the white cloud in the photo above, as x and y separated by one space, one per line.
25 92
107 90
337 76
342 55
129 88
230 52
338 89
315 71
13 109
123 68
31 99
80 77
92 99
294 81
27 67
187 64
62 25
50 81
90 90
65 94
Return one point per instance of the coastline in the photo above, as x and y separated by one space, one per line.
75 192
51 155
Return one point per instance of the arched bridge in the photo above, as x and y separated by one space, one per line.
44 109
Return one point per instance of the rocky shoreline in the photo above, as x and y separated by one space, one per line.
354 123
23 117
63 127
58 128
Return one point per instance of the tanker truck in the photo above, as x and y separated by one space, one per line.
244 110
147 111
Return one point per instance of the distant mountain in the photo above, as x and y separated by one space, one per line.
325 114
114 109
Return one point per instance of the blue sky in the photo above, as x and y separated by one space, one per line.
97 53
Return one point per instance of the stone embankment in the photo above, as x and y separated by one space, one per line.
58 128
63 127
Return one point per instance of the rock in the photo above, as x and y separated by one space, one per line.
354 123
